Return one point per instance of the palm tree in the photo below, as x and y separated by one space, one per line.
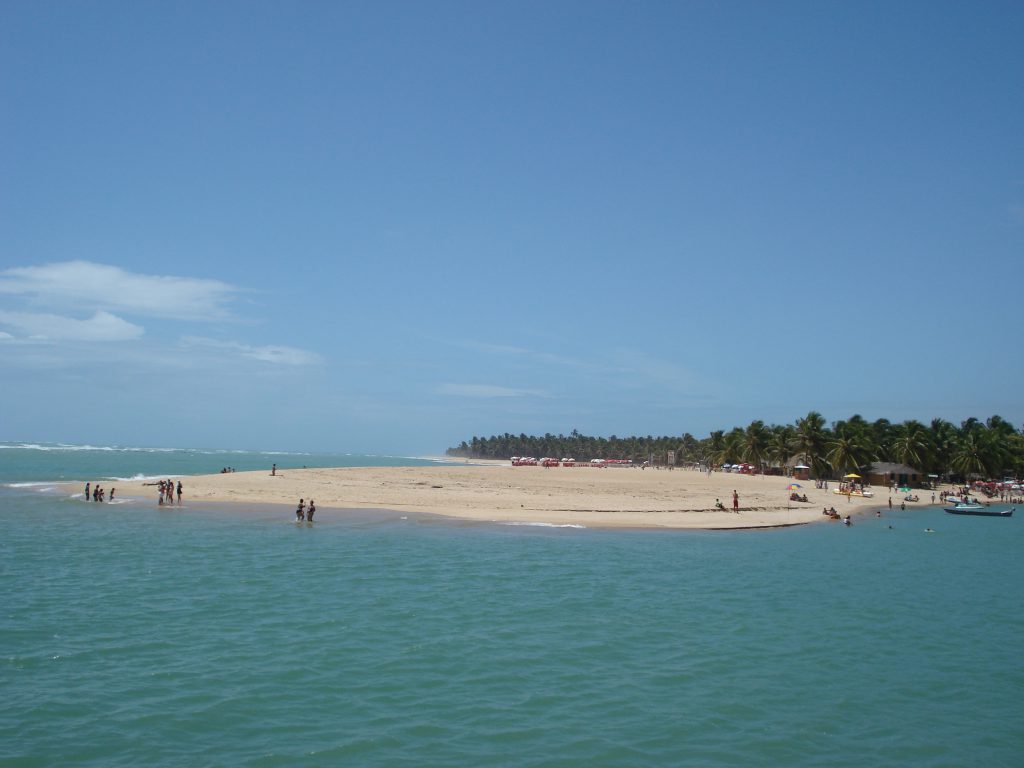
845 453
755 443
714 447
780 445
732 447
810 441
883 433
969 457
911 447
999 425
688 447
942 436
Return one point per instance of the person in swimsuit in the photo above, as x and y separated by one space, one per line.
300 511
179 492
310 511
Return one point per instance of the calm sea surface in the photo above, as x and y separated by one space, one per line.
190 637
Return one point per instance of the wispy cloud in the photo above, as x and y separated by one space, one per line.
40 326
635 367
275 355
537 356
112 289
645 368
487 391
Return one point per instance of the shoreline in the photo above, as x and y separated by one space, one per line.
610 498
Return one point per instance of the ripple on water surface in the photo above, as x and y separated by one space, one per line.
191 638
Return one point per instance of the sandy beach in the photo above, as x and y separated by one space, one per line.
585 496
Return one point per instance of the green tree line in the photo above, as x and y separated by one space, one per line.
993 448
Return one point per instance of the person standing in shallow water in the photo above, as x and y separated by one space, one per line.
300 510
179 493
310 511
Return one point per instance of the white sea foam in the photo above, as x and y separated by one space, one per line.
139 478
105 448
547 525
140 449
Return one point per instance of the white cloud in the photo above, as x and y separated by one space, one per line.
276 355
38 326
486 391
84 283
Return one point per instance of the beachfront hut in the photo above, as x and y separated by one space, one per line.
885 473
796 467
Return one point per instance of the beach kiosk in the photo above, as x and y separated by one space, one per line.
801 472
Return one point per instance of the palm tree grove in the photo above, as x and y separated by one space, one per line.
992 449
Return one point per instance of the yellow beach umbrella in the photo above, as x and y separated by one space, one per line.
852 474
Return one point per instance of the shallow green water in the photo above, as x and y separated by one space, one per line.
133 636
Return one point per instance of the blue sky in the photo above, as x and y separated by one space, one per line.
391 226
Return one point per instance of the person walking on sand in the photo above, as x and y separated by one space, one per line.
735 502
273 470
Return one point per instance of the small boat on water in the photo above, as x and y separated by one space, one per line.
979 510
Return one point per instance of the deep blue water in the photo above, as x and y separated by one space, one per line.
134 636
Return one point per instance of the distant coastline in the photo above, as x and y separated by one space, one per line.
941 450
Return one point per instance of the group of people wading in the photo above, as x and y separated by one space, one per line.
167 491
97 493
302 512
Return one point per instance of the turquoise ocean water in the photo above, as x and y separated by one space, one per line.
133 636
